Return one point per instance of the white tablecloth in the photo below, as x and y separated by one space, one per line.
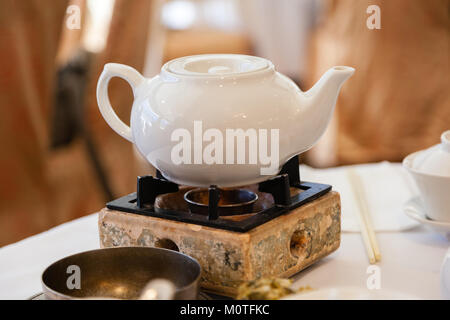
386 188
411 260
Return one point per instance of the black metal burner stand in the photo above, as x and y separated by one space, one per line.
148 188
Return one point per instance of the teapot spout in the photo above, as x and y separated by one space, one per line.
330 83
320 101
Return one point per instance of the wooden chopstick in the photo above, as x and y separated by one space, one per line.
365 222
366 239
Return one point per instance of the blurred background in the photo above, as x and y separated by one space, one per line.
59 159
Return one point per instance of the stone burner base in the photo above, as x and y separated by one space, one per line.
279 248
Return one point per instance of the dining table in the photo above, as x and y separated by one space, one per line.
411 260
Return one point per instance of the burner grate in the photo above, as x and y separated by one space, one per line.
148 188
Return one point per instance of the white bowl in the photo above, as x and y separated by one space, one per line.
430 169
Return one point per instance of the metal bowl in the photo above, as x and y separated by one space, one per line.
120 273
231 201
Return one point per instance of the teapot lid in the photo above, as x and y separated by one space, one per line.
434 160
217 65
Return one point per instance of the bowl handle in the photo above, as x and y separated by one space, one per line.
133 78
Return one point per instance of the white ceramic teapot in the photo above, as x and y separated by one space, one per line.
221 119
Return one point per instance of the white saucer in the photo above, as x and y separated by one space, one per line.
415 210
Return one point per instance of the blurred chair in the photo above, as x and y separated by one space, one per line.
42 187
398 100
29 32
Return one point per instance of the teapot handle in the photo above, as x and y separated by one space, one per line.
133 78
